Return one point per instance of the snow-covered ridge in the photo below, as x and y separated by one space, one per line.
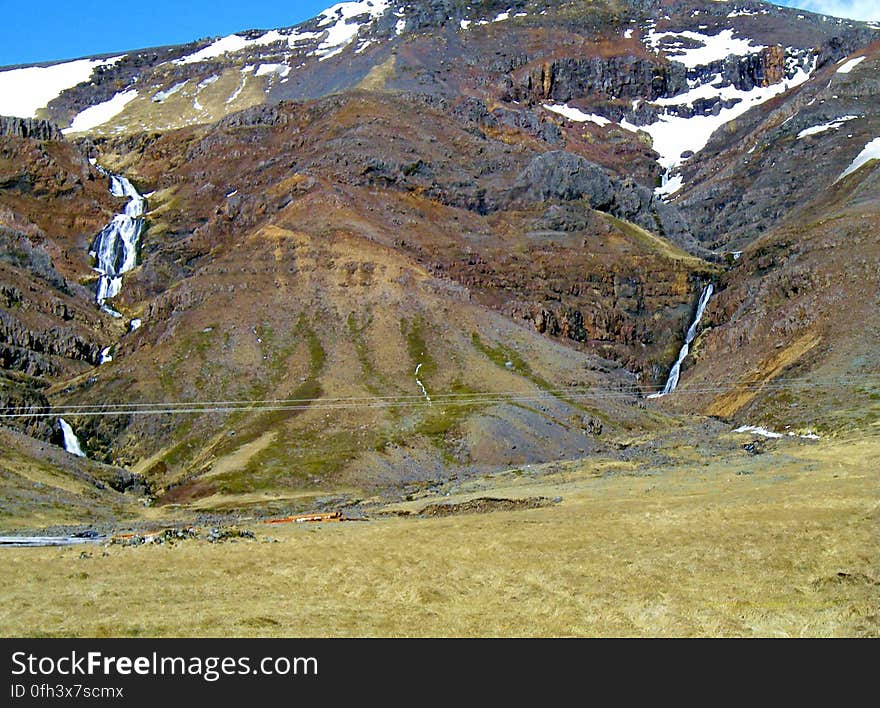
337 22
25 91
336 27
737 12
230 44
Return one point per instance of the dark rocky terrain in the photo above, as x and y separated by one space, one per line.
464 239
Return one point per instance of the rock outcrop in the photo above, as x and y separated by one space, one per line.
564 176
31 351
32 128
625 76
17 250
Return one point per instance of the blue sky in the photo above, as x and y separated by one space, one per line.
65 29
856 9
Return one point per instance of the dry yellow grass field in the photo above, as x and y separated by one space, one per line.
779 544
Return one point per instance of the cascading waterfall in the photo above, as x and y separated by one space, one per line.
674 373
421 385
71 442
115 248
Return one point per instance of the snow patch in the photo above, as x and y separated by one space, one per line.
712 47
674 135
97 115
300 37
870 152
850 65
167 93
576 115
757 430
746 13
235 94
816 129
265 69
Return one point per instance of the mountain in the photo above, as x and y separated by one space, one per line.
399 243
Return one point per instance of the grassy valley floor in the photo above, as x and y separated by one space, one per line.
783 543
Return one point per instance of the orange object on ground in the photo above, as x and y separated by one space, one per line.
308 518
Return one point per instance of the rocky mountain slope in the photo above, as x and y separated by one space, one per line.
403 242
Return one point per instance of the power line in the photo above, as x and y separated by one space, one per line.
574 389
577 393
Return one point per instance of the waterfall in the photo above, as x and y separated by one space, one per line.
421 385
71 442
115 248
674 372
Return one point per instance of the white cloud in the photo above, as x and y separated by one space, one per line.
853 9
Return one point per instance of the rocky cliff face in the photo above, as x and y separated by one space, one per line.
625 77
764 155
555 199
784 330
50 203
29 128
